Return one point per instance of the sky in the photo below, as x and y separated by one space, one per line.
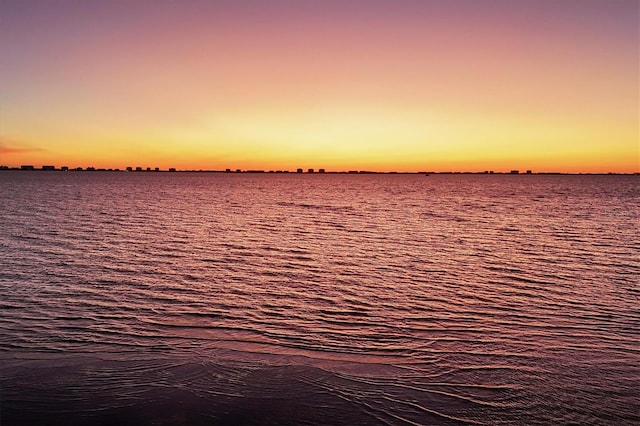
383 85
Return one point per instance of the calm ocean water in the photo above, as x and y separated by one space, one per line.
178 298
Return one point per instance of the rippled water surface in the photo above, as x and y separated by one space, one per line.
194 298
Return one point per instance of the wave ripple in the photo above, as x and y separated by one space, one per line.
336 299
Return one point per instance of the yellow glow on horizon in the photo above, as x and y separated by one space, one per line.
338 138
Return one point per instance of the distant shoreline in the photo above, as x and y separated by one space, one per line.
29 168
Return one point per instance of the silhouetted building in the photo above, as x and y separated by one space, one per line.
48 168
310 171
64 168
228 170
321 171
157 169
78 169
27 167
138 169
172 169
528 172
91 169
515 172
299 171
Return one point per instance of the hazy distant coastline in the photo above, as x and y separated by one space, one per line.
49 168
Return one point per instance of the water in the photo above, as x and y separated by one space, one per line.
190 298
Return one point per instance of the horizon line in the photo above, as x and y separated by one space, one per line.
138 169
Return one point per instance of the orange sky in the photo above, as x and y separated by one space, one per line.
404 85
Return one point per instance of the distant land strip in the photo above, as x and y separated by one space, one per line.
48 168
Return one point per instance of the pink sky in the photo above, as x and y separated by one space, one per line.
402 85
